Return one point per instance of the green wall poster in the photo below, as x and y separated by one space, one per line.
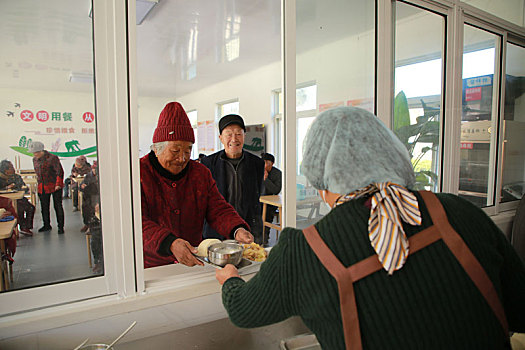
255 140
73 149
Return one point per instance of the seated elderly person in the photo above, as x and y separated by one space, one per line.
178 194
9 180
81 167
7 213
387 267
91 195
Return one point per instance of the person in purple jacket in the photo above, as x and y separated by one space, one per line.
178 194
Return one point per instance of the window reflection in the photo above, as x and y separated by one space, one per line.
335 43
418 87
514 125
478 119
46 87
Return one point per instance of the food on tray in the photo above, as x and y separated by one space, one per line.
202 250
254 252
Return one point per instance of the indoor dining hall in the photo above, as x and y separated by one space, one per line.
262 174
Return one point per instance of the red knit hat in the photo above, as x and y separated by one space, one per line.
173 125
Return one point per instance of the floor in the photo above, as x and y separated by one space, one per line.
48 257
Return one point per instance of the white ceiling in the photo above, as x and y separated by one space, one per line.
43 41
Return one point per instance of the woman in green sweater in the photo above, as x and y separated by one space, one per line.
421 287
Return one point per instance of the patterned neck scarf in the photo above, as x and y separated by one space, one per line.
390 203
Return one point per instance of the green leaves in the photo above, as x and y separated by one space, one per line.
425 130
401 113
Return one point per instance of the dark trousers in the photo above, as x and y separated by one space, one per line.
67 183
45 201
270 212
26 212
256 226
88 207
96 240
74 195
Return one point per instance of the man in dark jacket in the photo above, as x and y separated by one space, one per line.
50 178
273 178
239 175
178 194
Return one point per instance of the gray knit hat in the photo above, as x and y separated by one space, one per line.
36 146
348 148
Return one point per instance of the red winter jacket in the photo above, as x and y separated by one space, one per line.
179 207
49 172
7 204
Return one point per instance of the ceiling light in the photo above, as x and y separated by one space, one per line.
143 8
80 78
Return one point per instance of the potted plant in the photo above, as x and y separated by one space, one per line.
425 130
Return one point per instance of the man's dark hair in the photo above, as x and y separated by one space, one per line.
4 165
268 156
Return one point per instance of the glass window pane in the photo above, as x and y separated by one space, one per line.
47 95
510 10
229 108
336 50
306 98
514 126
418 87
210 56
478 119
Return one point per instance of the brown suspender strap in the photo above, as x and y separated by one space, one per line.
441 228
345 277
371 264
351 330
465 257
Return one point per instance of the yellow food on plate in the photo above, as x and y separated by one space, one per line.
254 252
202 250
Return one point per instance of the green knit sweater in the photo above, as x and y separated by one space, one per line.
429 304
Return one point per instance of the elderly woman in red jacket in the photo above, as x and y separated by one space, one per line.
50 178
178 194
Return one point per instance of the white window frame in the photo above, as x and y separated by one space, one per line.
195 149
115 177
116 95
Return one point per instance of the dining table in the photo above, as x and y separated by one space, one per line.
277 201
14 196
311 203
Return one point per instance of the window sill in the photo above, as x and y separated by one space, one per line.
174 284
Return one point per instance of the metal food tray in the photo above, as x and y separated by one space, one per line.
244 267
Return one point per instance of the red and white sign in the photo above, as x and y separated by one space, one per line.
26 115
88 117
467 145
42 116
473 94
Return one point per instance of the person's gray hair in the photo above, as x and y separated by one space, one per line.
4 165
158 147
36 146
